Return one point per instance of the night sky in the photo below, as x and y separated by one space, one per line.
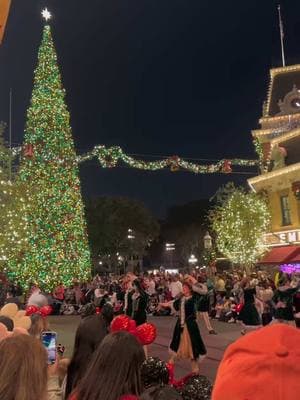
157 77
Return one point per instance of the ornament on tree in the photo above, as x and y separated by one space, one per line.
28 150
226 168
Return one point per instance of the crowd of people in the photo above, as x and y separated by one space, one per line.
253 300
110 365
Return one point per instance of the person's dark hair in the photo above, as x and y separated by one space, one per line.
154 372
201 279
89 335
107 312
161 392
139 287
8 322
114 370
283 280
88 310
104 300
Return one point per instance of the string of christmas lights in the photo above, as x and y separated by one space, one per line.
240 223
111 157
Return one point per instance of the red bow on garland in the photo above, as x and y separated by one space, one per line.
226 168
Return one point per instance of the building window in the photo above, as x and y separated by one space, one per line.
285 210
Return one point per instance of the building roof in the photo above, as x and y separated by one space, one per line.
283 80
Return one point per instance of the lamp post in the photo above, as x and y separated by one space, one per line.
207 241
193 260
170 248
208 244
130 237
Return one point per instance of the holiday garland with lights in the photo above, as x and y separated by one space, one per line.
240 222
58 248
110 157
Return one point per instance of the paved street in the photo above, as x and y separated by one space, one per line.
227 333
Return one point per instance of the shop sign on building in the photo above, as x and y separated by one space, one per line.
282 238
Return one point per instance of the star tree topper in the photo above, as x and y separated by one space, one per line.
46 14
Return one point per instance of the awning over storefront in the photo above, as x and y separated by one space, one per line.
282 255
295 259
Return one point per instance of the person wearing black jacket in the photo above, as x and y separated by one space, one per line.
139 303
187 342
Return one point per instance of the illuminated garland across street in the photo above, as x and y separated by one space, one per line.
110 158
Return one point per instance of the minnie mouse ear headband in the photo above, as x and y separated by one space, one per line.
154 372
145 333
8 322
43 311
196 387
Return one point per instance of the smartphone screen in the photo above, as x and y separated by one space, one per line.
49 340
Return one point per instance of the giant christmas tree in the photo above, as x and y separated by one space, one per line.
58 247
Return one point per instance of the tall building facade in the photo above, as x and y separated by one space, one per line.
277 143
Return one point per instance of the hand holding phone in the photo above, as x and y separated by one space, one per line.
49 340
60 349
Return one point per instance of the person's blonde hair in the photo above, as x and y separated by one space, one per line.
23 369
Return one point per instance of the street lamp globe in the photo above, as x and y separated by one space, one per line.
207 241
193 260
